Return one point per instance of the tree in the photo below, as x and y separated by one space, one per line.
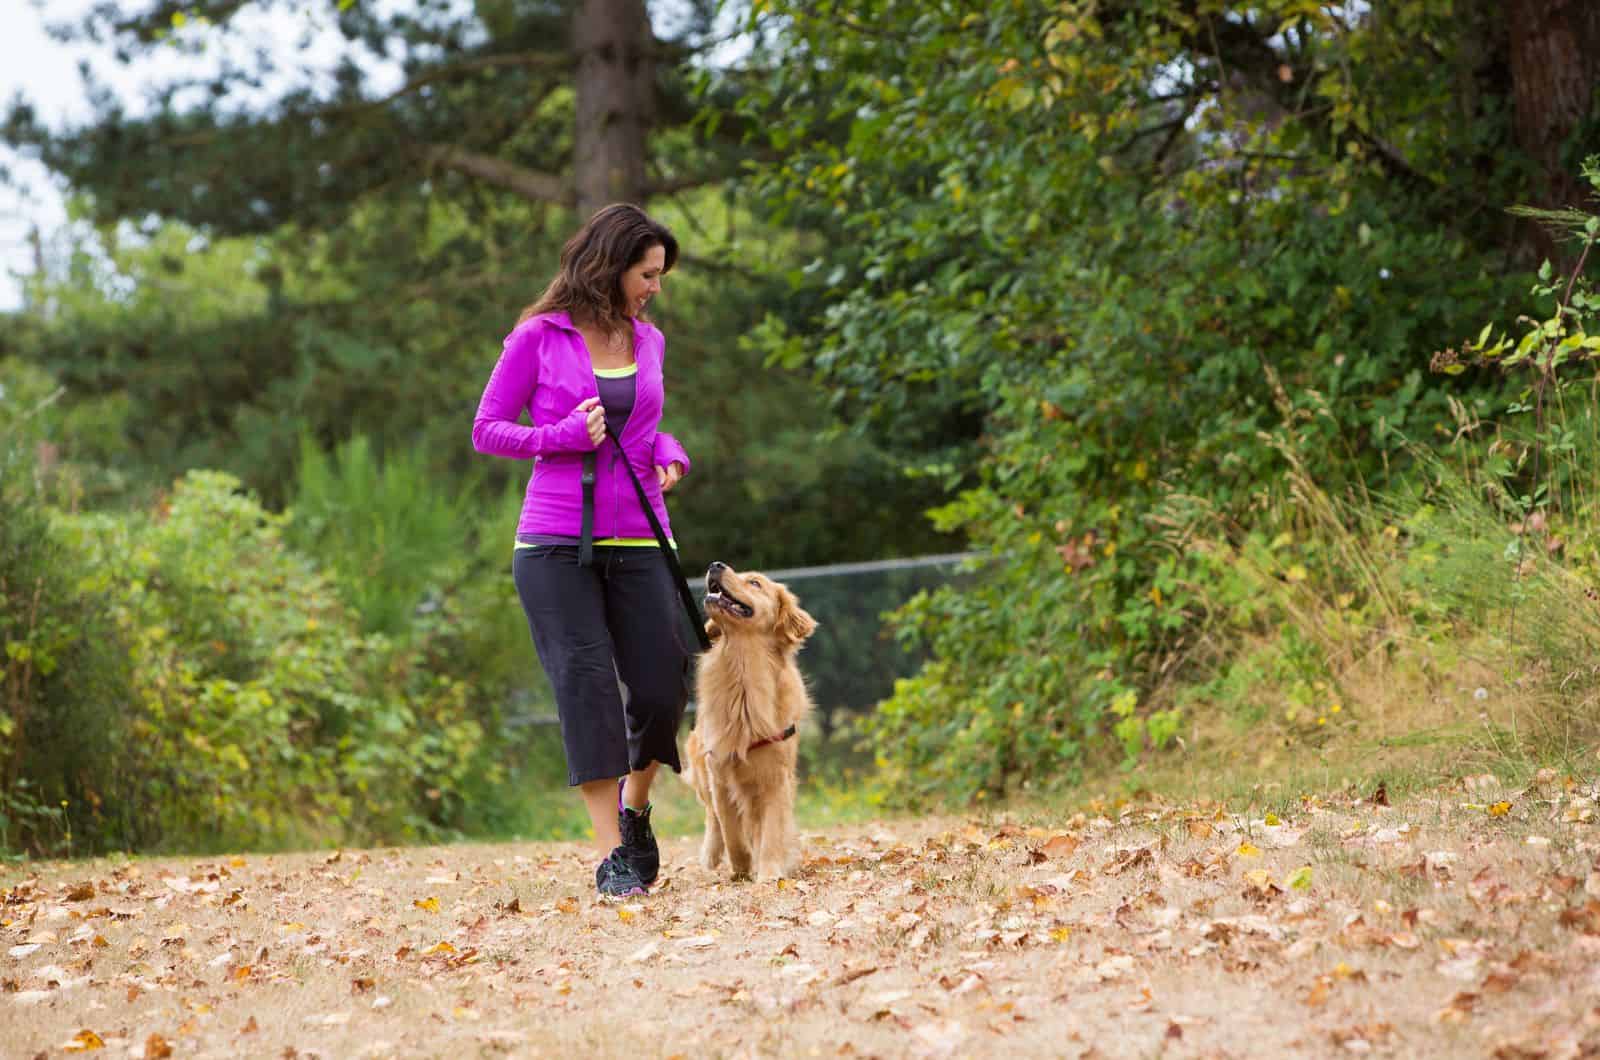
1138 247
1554 48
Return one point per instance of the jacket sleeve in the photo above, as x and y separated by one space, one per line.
668 449
496 430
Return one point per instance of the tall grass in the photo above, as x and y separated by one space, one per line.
1459 609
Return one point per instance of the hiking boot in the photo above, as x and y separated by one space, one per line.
638 847
616 879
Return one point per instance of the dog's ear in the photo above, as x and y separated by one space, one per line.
795 624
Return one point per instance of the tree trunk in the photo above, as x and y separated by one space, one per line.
1555 64
615 101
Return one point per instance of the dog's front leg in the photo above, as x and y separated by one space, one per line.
775 831
732 827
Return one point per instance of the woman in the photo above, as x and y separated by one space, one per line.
600 602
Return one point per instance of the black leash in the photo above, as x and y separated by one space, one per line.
586 542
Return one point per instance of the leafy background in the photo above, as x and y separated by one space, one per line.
1163 310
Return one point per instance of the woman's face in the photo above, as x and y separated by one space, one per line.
642 281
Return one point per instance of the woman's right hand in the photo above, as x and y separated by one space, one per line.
595 421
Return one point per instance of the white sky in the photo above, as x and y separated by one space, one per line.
45 72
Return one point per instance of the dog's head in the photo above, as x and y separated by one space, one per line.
753 603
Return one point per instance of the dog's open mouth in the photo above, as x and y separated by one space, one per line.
719 598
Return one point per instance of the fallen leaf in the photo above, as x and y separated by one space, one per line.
427 905
1059 846
82 1042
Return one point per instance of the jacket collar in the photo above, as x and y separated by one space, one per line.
563 320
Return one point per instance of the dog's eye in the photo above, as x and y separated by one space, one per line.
754 581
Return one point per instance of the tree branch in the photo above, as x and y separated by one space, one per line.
528 183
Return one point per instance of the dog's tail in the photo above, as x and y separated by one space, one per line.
694 769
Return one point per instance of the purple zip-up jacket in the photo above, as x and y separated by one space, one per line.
544 368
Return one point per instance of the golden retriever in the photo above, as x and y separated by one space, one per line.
741 757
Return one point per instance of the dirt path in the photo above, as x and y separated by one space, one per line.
1465 922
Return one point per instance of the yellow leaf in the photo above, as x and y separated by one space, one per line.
568 904
1500 809
84 1041
429 904
1272 821
1061 934
1248 850
624 914
1155 595
1296 573
441 947
1300 879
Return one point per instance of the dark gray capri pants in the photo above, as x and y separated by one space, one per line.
617 619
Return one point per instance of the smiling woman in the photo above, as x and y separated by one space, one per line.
599 596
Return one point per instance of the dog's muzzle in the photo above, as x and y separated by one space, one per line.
718 597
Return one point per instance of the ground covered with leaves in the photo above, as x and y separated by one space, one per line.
1459 921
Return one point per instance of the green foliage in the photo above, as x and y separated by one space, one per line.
1107 251
263 716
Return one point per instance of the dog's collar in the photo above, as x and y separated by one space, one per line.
784 735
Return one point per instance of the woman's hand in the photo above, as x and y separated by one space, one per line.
595 422
668 476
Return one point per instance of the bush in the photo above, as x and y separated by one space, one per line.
64 676
263 716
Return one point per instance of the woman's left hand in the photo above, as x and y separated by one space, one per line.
668 476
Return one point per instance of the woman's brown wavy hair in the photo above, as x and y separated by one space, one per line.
588 285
